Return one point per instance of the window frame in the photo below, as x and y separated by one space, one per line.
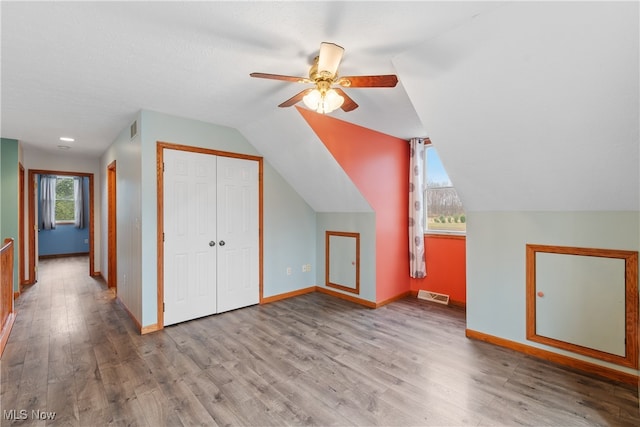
72 199
425 216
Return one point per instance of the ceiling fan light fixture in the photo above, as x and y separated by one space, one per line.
329 59
324 74
323 103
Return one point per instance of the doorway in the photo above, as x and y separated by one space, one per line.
21 239
112 227
34 226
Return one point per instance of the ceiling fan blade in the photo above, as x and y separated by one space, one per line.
387 80
295 98
281 77
329 58
348 104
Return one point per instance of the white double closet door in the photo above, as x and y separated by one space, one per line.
211 234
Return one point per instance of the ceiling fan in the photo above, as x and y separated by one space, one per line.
323 74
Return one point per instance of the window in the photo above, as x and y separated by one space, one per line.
444 211
65 201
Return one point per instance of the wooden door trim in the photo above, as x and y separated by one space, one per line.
327 264
160 147
32 219
21 239
630 359
112 223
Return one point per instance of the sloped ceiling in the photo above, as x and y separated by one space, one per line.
305 163
86 68
531 105
534 106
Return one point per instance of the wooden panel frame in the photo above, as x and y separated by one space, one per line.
328 282
160 147
630 358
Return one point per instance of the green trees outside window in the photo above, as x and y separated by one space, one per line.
65 202
444 210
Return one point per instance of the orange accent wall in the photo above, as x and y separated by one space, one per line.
378 164
446 267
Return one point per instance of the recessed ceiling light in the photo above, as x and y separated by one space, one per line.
66 139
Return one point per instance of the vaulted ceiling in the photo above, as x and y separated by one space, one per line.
535 105
532 105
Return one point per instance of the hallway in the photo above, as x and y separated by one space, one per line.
310 360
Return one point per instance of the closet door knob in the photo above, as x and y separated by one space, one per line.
221 243
212 243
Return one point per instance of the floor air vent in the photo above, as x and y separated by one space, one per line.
434 296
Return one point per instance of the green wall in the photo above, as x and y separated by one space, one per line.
9 199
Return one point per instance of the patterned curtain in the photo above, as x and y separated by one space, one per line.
48 201
417 264
78 197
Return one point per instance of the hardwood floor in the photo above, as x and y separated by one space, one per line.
309 360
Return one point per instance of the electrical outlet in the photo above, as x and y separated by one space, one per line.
288 271
308 268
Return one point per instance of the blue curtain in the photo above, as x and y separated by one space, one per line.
48 201
78 196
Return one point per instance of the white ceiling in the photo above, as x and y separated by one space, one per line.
83 69
536 105
532 105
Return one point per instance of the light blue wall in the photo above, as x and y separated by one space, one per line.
363 223
9 158
289 238
126 151
496 262
289 223
65 238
